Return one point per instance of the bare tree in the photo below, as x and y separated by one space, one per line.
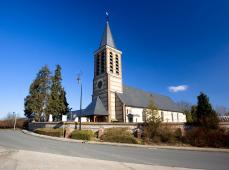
9 116
221 110
184 106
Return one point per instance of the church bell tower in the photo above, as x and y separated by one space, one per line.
107 73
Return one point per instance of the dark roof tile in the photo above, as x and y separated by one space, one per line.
139 98
94 108
107 38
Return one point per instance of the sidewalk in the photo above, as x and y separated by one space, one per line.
185 148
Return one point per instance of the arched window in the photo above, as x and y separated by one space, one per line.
117 64
97 64
111 62
162 116
143 116
130 118
103 62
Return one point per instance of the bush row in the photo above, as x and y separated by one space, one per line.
20 123
203 137
120 135
163 135
197 136
200 137
58 132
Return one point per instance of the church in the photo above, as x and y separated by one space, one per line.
112 101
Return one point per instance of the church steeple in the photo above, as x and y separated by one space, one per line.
107 38
108 73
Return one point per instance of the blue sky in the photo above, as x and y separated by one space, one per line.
164 43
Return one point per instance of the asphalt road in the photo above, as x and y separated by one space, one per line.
163 157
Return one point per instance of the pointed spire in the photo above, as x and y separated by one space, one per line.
107 38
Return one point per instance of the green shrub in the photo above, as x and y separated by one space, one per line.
120 135
82 134
50 131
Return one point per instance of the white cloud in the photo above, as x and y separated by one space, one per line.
175 89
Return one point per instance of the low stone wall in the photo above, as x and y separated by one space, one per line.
95 126
85 126
224 125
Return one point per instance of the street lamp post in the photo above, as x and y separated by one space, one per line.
80 83
15 120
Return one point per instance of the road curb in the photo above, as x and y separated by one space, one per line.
129 145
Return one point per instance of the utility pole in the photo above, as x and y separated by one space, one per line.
81 91
15 120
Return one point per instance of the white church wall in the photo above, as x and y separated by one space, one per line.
83 119
169 116
166 116
136 112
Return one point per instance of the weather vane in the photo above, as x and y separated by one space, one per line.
107 16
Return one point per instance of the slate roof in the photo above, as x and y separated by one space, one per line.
139 98
107 38
94 108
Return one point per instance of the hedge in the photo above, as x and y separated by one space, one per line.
202 137
82 134
7 124
50 132
120 135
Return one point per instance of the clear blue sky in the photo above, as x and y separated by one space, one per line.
164 43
